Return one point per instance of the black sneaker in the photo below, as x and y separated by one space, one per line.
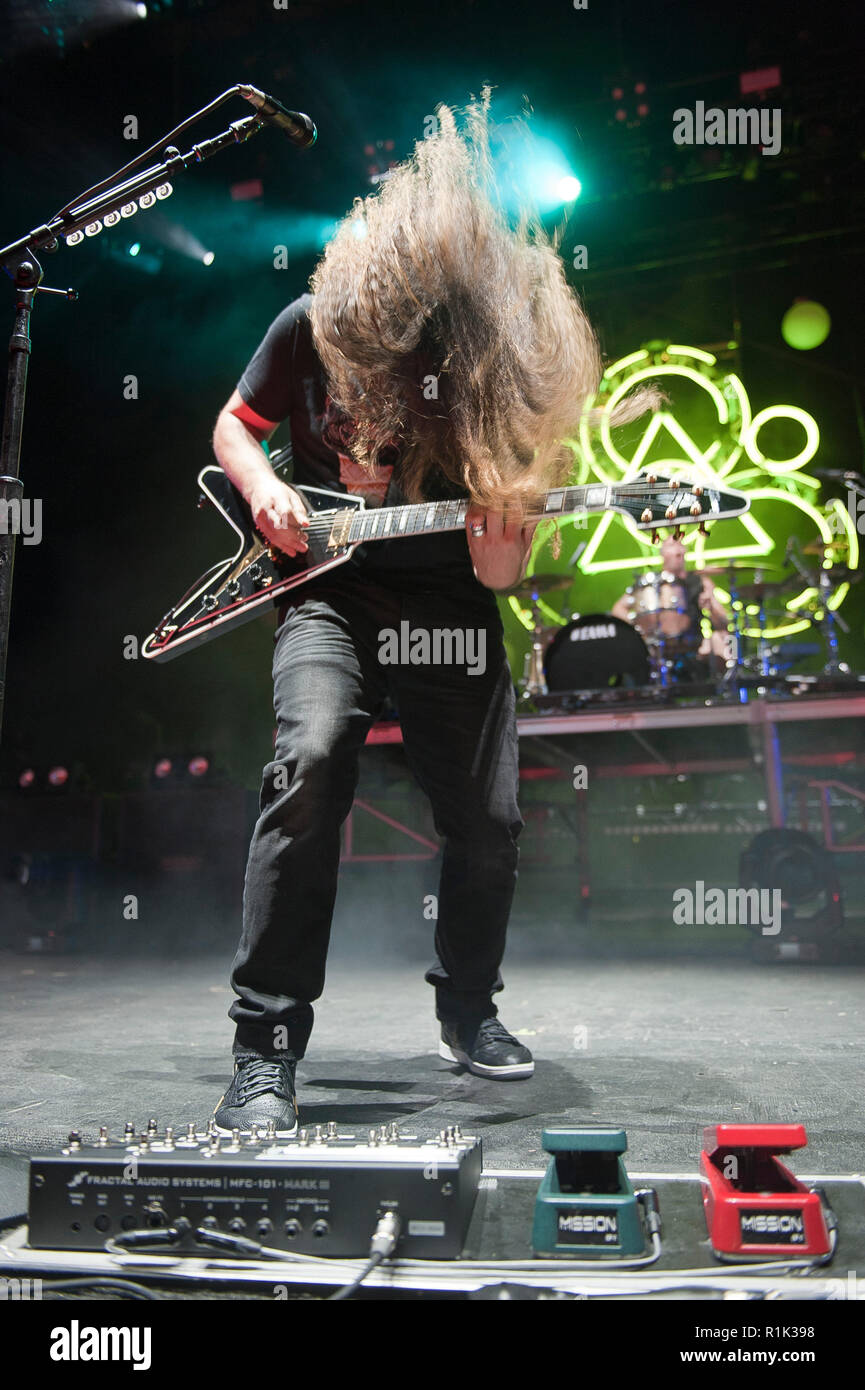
487 1049
262 1089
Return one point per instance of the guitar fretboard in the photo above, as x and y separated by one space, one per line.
425 518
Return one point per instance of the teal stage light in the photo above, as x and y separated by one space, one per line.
569 188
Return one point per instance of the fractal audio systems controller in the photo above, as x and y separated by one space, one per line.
322 1193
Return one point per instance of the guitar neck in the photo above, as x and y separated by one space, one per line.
426 518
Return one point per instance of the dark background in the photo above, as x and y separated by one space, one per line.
696 245
682 242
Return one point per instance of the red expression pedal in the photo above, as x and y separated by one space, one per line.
754 1205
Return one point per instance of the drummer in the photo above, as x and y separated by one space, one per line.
700 598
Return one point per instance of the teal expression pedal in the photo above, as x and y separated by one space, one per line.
586 1205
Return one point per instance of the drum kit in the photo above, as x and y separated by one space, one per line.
660 647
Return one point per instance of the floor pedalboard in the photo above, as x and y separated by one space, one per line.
189 1208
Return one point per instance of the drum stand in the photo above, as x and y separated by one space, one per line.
660 666
534 679
828 626
730 680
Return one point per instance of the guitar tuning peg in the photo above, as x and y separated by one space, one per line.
678 533
703 528
656 536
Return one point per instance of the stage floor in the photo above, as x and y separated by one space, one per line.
660 1047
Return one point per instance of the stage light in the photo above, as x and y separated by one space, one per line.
569 188
198 767
552 184
244 191
134 248
141 9
27 777
208 258
58 776
805 325
163 768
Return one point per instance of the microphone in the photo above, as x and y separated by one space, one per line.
299 128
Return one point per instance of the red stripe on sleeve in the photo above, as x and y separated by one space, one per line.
249 417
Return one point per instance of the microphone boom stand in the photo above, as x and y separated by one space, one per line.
19 260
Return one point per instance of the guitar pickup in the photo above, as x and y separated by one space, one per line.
339 531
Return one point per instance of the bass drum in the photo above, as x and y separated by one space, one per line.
596 652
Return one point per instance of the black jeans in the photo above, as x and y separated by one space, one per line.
459 736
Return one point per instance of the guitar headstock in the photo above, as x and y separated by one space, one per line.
655 499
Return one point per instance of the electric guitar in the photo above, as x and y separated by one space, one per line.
235 590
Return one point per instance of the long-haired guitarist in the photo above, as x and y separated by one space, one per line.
440 355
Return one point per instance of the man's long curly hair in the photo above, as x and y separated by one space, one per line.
442 326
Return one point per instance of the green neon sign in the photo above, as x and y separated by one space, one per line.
729 445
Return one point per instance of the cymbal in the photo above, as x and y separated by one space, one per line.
739 565
820 547
839 572
540 584
751 593
725 569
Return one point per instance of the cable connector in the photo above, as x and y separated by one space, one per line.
648 1197
829 1216
387 1233
221 1240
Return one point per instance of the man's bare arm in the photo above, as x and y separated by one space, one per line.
277 509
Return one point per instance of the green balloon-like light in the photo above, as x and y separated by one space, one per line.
805 325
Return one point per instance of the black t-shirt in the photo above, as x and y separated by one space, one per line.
285 380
